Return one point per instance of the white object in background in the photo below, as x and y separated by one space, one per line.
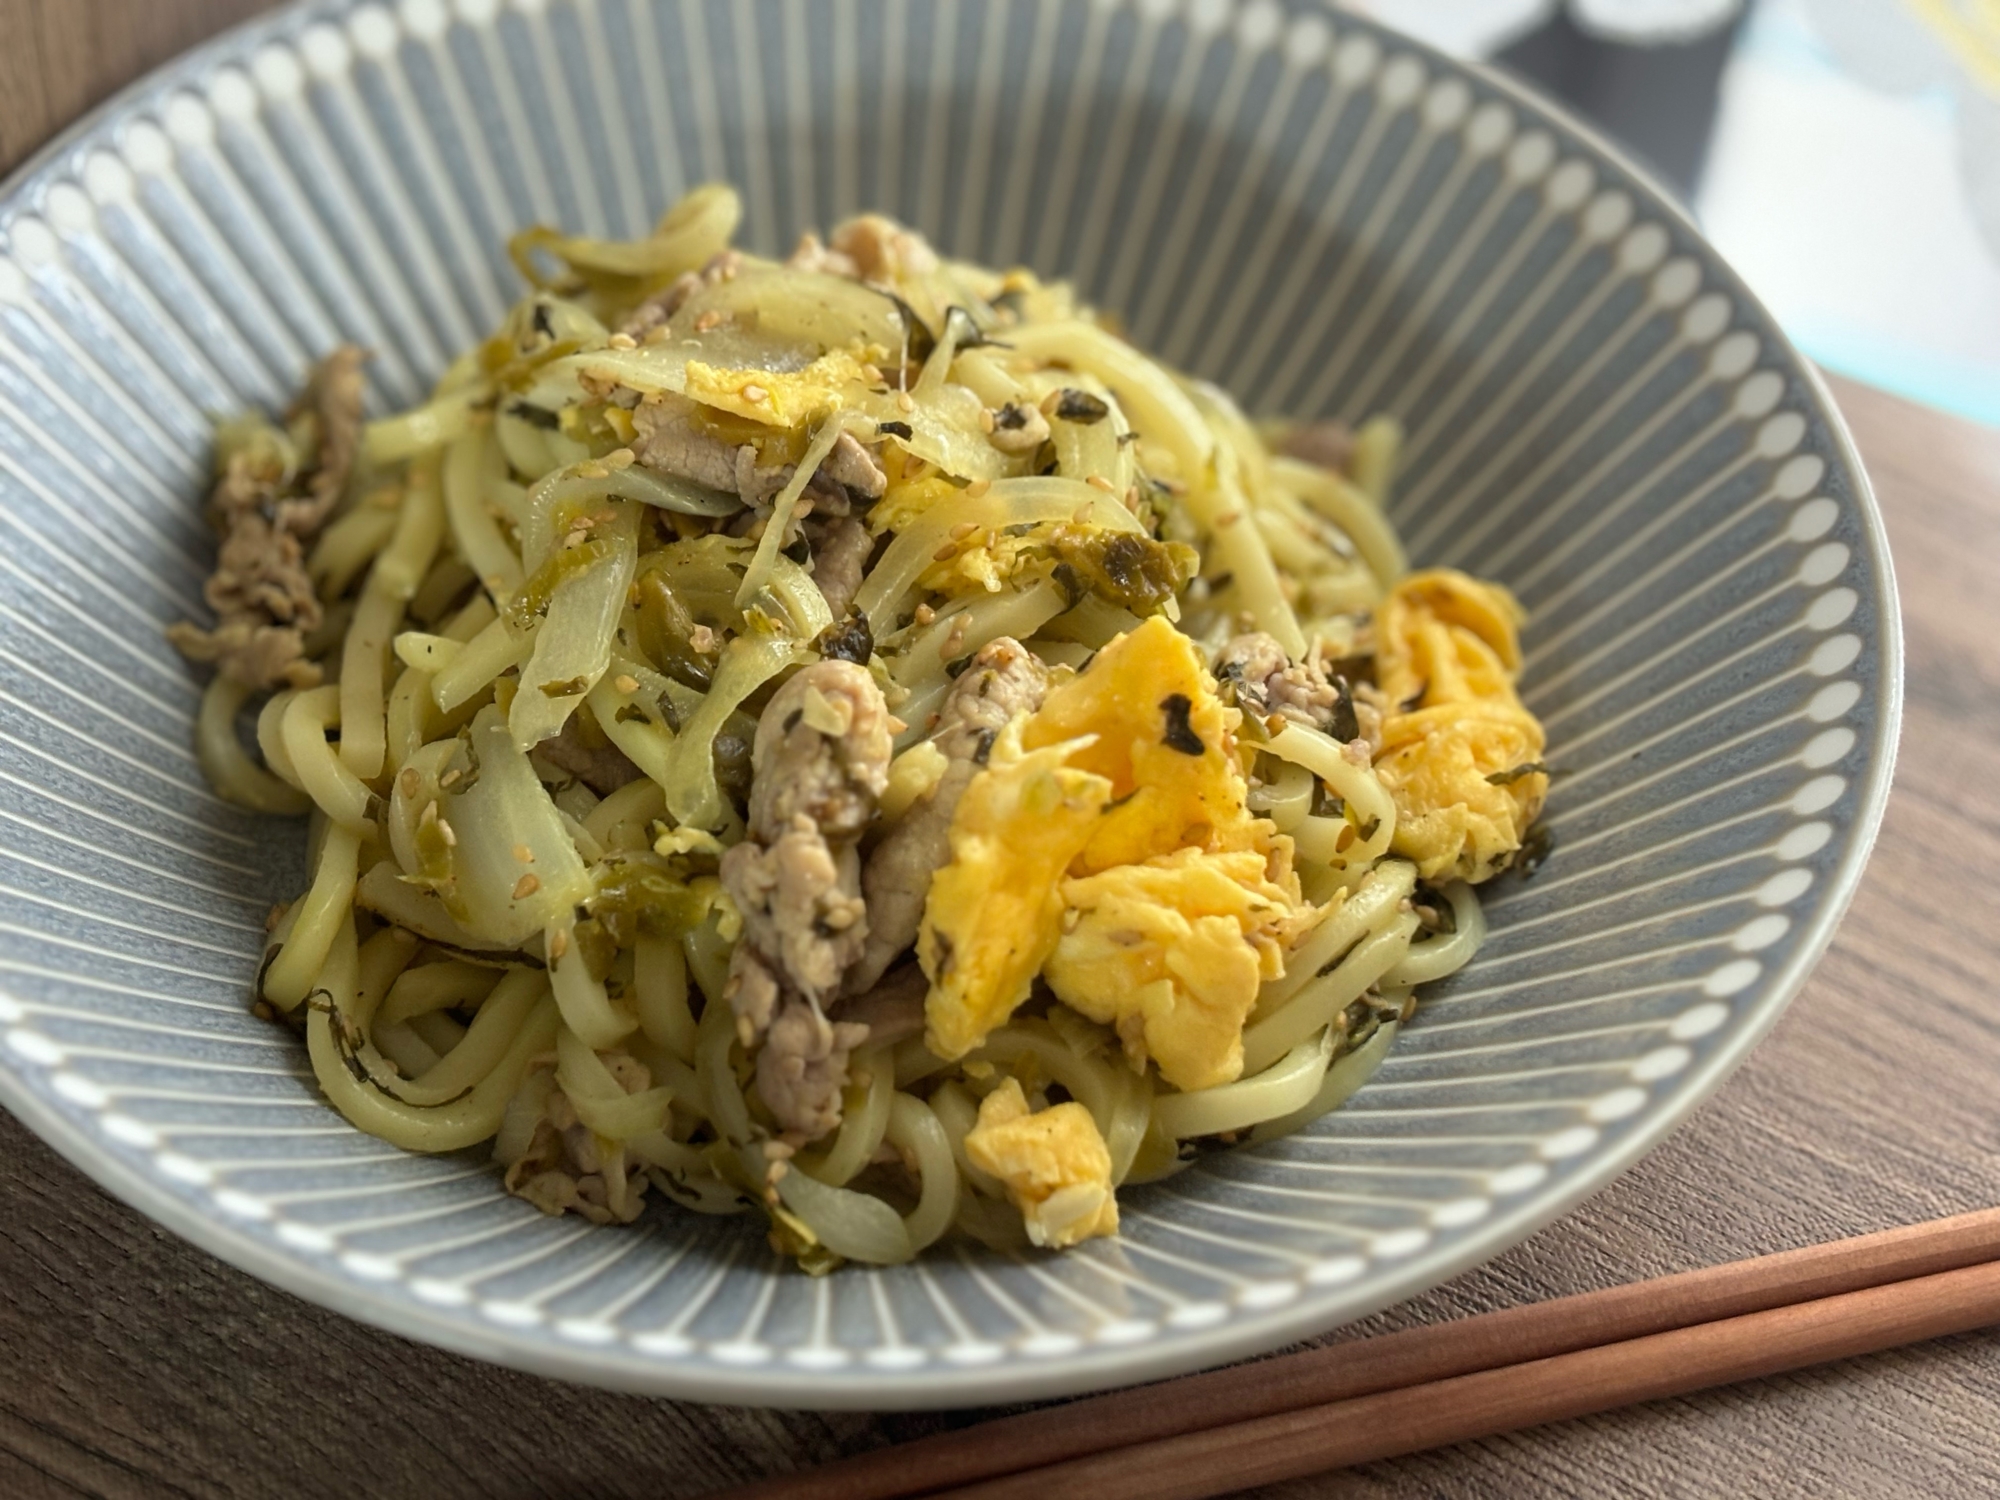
1479 28
1854 179
1464 28
1948 47
1648 23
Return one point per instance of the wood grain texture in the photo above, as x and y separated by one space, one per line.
134 1365
59 57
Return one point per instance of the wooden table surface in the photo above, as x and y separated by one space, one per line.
132 1364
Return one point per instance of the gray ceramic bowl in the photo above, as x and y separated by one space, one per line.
1322 217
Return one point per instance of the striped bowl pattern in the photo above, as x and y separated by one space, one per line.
1316 214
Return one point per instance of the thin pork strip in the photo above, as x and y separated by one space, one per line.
264 601
1267 682
802 1068
1004 679
672 439
840 558
821 759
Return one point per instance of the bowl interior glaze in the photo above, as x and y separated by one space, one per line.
1311 212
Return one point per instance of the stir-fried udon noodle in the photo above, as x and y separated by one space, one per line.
849 739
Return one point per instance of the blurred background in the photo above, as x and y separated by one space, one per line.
1843 154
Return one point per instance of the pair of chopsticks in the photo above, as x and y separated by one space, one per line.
1370 1399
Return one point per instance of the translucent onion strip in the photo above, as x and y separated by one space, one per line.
748 662
722 1093
384 891
858 1226
1131 1116
573 645
959 632
782 506
496 891
566 492
914 1129
697 227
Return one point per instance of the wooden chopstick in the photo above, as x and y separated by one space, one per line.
1340 1373
1293 1444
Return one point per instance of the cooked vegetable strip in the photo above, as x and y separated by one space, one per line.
849 740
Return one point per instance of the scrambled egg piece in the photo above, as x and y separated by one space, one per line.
1460 753
1053 1161
1132 571
1138 881
983 562
1172 953
777 398
913 488
994 912
1163 739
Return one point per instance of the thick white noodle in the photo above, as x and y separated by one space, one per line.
1287 1085
1436 957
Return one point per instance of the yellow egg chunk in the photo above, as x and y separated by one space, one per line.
777 398
1456 740
906 498
1172 953
995 911
1053 1161
982 562
1164 740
